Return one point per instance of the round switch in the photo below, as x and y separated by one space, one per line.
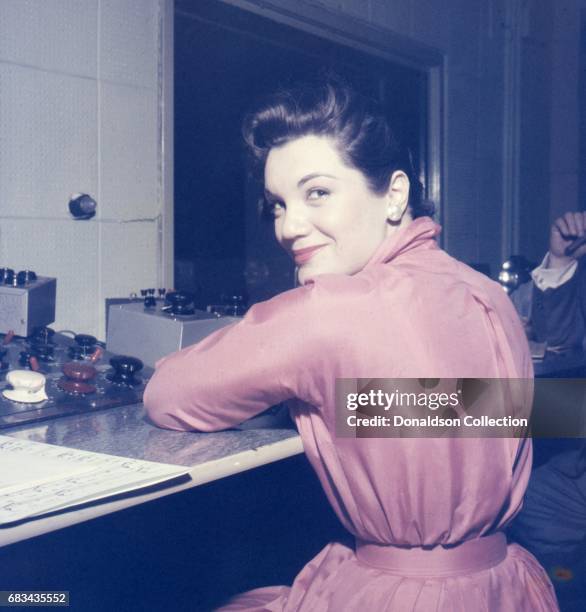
25 277
124 370
28 387
78 378
7 275
179 303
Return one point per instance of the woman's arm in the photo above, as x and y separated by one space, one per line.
240 370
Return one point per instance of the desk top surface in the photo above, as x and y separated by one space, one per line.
126 432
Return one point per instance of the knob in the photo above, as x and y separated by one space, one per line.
179 303
125 368
84 346
25 277
85 340
28 387
77 378
149 299
79 371
82 206
7 275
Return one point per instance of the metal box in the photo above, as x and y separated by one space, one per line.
26 307
150 333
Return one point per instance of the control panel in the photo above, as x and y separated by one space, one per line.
48 375
156 326
27 301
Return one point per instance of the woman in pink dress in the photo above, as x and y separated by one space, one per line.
378 299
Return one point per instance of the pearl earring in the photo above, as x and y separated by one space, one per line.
394 213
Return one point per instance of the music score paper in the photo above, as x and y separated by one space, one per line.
37 478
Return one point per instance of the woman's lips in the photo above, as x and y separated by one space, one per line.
302 256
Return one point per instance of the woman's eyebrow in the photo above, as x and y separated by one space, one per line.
301 182
313 175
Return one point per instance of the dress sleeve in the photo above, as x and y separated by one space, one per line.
240 370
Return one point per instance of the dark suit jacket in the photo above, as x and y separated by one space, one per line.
558 315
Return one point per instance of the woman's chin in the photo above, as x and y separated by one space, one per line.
306 275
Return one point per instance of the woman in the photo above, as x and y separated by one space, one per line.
378 299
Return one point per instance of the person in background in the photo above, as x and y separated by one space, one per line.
378 299
558 312
552 522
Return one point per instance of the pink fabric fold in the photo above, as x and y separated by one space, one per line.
412 312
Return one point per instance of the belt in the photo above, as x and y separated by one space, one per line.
464 558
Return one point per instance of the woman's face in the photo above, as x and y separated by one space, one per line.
326 217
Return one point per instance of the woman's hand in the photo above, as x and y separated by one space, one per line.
567 239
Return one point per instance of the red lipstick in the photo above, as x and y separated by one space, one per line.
302 256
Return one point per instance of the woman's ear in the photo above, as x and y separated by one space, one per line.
398 196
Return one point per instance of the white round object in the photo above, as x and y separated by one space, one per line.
28 387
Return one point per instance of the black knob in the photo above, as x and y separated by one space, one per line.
180 303
149 298
85 340
7 276
25 277
125 368
82 206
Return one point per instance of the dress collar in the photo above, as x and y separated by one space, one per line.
419 234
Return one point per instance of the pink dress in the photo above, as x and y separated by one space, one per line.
427 514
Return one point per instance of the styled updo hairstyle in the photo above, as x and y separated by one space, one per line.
356 123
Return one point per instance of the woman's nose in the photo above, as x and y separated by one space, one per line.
295 223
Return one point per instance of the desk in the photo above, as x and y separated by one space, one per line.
127 433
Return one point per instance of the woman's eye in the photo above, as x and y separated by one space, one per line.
317 194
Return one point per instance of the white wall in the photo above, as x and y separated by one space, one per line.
79 111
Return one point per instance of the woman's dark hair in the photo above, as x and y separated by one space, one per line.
356 123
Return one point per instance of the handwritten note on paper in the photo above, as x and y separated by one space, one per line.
38 478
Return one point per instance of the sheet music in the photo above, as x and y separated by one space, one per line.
37 478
